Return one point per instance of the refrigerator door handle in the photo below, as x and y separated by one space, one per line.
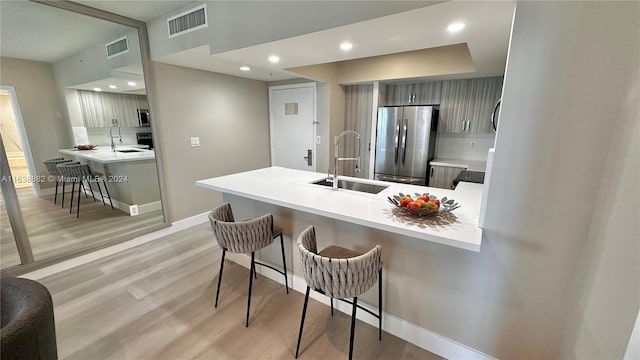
404 141
397 142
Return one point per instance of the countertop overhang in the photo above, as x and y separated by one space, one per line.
294 189
104 155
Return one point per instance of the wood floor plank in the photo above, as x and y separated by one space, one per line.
156 301
53 230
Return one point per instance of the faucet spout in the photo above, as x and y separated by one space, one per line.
112 136
337 158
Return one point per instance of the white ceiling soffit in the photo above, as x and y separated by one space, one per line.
487 35
38 32
143 10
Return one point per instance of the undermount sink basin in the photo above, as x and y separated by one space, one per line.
129 151
352 185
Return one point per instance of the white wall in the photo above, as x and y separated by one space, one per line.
606 294
42 109
229 114
563 87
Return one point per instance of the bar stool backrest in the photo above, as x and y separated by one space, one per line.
241 236
337 278
52 165
70 171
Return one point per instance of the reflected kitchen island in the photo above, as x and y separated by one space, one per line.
131 174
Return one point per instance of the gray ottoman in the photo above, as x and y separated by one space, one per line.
26 311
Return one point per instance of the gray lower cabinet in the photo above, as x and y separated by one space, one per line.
99 109
442 176
466 104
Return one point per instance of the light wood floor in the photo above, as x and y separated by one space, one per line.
52 230
155 301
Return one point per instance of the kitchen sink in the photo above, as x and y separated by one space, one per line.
352 185
129 151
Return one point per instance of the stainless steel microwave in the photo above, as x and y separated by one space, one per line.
144 120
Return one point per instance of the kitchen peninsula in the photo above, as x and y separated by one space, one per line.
131 175
294 189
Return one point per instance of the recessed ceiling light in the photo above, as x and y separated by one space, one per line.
346 46
245 68
274 59
455 27
131 83
97 89
112 87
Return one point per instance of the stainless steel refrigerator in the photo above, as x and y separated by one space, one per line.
405 143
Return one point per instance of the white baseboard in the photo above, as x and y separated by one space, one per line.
405 330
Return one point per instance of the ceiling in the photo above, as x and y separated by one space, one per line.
486 34
37 32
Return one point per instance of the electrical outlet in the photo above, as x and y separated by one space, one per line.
195 141
133 210
318 140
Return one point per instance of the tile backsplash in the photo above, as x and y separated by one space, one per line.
464 146
100 136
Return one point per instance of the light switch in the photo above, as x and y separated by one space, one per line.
318 140
195 141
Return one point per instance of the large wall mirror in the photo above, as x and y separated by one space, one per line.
72 88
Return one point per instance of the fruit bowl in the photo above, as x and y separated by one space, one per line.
423 204
85 147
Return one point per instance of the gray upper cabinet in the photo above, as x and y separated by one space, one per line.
99 109
466 104
426 93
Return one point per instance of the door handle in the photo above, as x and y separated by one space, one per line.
309 157
404 142
493 115
397 143
431 174
468 125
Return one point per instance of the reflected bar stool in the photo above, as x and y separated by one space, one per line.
97 178
52 167
71 173
245 237
339 273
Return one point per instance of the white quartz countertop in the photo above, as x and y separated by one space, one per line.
104 155
293 189
471 165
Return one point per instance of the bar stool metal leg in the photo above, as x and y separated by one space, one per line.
331 306
380 304
63 182
220 276
284 265
304 312
353 327
55 197
73 189
108 195
253 269
80 186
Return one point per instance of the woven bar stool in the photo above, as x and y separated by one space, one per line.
52 167
339 273
245 237
71 173
92 177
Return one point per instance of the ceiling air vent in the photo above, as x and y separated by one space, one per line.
188 21
117 47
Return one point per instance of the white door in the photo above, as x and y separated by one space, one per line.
292 110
